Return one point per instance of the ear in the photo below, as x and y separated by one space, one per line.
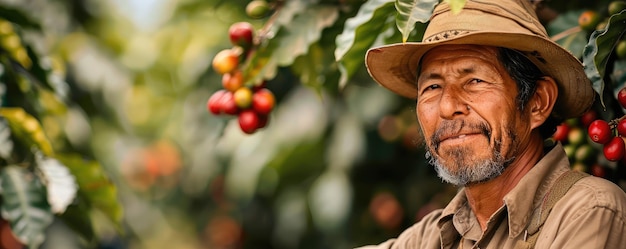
543 100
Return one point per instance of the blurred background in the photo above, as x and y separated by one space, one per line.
125 84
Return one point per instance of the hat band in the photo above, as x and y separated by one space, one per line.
444 35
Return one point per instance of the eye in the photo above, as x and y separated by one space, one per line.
431 87
474 80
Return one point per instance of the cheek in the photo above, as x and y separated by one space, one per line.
426 117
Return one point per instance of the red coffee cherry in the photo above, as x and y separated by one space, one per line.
614 149
598 170
263 101
621 97
228 103
241 34
214 105
561 132
599 131
249 121
588 117
621 127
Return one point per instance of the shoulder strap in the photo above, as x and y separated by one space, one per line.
558 190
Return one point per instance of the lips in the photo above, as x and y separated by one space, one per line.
458 136
453 130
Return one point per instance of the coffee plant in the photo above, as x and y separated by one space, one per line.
42 176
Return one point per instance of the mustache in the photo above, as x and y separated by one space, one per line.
452 127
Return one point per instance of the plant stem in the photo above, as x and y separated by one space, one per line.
565 33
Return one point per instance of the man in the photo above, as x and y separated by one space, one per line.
490 88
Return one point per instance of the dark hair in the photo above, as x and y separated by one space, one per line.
526 74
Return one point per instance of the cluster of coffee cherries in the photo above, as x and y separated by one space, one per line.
611 134
593 144
582 153
250 103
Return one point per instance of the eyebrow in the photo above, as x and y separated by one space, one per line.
430 76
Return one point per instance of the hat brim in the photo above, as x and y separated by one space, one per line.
395 66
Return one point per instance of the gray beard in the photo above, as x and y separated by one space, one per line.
478 172
467 172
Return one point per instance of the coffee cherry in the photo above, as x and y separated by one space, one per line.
243 97
241 34
620 49
225 61
214 105
616 6
248 121
621 128
228 103
561 132
602 25
570 151
263 101
232 81
598 170
588 117
614 149
585 153
257 9
578 166
576 136
588 20
599 131
621 97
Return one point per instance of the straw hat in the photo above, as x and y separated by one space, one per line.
502 23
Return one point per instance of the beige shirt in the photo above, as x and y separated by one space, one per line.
591 215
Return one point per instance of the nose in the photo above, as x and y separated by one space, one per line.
451 104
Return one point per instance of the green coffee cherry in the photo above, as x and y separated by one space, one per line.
257 9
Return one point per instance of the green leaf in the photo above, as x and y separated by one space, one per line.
60 184
26 128
311 67
261 64
597 51
18 17
290 42
289 11
359 33
42 71
565 31
304 30
94 185
6 144
24 205
412 11
456 5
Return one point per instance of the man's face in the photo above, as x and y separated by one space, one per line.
467 110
